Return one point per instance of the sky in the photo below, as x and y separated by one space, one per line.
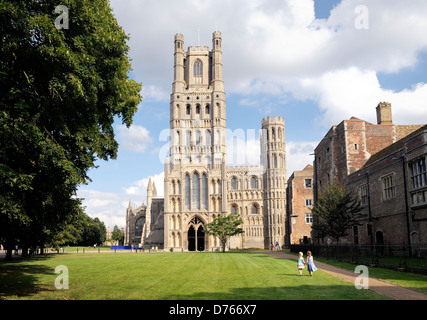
315 63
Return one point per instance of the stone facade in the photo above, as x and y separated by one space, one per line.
144 223
198 186
299 196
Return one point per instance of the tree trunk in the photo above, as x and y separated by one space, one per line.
223 245
8 253
24 252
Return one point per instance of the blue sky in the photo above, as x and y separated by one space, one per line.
315 63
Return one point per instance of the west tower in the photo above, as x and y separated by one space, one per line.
195 172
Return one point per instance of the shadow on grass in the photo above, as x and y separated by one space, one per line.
302 292
19 277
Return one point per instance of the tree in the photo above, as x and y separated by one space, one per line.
60 92
225 227
117 234
94 232
335 212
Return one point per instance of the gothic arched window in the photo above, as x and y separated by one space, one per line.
204 191
198 68
234 183
139 225
198 71
253 183
198 137
254 209
195 196
187 191
208 137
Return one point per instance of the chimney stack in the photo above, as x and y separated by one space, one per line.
384 113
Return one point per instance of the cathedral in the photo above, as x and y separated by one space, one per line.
198 185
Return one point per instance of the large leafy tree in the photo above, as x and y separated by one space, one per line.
60 92
225 227
335 212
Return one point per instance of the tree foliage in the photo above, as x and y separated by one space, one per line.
60 93
225 227
335 212
117 234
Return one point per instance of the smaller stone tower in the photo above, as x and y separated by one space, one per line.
147 226
275 179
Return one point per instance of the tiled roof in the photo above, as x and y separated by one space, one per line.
394 147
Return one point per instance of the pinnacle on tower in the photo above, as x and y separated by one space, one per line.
154 190
150 185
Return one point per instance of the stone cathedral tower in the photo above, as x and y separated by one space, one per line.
275 178
198 186
195 189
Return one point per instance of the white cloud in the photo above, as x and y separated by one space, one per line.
135 138
270 46
154 93
299 155
139 189
274 48
111 207
352 92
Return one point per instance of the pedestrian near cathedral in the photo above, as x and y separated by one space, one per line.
310 264
300 263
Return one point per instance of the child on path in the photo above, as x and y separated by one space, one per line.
300 263
310 264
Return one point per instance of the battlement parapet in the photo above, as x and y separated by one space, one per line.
198 48
276 120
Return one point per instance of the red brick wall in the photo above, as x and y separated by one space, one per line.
297 194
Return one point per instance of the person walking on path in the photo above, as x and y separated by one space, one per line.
310 264
300 263
380 286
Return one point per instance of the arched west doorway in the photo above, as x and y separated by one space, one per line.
195 236
200 239
191 239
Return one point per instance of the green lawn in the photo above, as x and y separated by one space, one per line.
405 279
165 276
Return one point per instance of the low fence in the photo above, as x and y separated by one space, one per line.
403 257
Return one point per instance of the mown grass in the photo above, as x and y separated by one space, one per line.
171 276
405 279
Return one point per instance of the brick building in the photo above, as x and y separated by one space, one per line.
347 146
299 218
370 159
392 188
